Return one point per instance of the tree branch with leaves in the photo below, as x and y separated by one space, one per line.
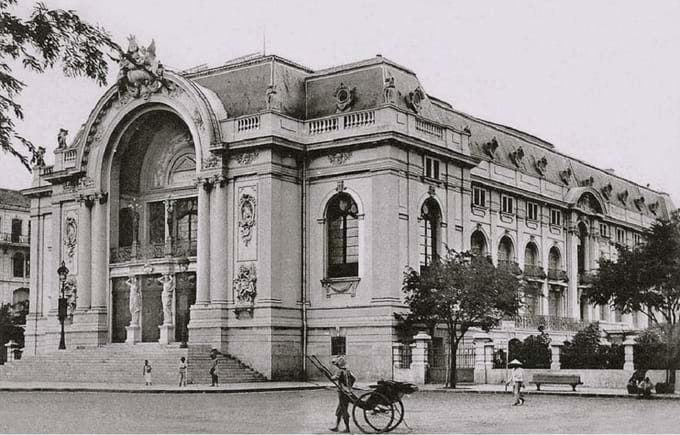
462 291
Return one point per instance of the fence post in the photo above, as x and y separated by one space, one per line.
480 344
10 345
396 355
419 358
628 362
555 348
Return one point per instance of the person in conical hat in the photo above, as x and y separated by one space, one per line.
517 380
344 379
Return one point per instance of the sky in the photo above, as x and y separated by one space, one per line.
600 80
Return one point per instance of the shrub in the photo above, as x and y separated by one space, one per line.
586 352
533 352
649 352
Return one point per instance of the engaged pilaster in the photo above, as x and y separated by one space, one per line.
203 258
218 241
99 247
83 301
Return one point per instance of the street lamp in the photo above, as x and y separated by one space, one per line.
63 273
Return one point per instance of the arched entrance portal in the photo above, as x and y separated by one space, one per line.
153 230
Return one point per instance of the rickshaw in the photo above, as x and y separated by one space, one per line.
379 410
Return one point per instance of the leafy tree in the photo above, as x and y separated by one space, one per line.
646 279
650 350
533 352
11 317
586 352
47 38
461 291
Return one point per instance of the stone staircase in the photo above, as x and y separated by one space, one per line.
122 363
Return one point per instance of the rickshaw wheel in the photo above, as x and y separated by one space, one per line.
378 413
398 415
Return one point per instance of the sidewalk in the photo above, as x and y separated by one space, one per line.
299 386
546 390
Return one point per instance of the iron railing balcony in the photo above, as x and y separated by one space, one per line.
171 249
549 322
558 275
534 271
509 266
14 238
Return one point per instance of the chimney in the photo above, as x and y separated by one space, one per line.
610 171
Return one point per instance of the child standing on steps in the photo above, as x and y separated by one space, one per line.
182 372
146 371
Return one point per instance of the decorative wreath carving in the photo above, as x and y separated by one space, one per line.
337 159
246 221
245 284
212 161
247 157
541 164
517 156
653 207
639 202
566 175
71 236
344 97
415 98
607 190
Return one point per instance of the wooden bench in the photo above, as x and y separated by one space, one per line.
547 378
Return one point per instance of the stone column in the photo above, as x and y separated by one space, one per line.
169 208
84 254
100 276
480 371
628 362
203 240
419 358
218 242
555 347
572 269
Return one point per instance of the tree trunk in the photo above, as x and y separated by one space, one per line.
453 350
670 369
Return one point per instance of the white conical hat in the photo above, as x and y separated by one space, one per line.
514 362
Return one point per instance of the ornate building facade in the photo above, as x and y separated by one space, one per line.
269 210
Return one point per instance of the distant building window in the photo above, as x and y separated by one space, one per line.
621 236
343 236
16 230
431 168
532 211
507 204
479 197
604 230
338 346
18 263
555 217
637 239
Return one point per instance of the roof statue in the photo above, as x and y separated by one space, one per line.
141 73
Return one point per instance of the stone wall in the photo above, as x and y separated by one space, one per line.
590 378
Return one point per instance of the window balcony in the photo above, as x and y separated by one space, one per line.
173 249
558 275
534 271
14 239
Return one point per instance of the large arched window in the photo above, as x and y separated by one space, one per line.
531 255
506 254
478 244
18 263
582 247
343 236
431 218
554 259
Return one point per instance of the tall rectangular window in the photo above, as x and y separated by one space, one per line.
555 217
604 230
431 168
478 197
621 236
156 222
16 230
532 211
338 346
507 204
637 239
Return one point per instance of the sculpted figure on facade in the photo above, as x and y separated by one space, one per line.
246 220
141 74
61 139
168 282
272 100
135 303
38 158
389 91
245 284
71 236
71 295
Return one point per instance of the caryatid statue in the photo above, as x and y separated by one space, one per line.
168 282
135 300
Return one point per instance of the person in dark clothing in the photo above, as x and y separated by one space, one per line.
344 378
214 368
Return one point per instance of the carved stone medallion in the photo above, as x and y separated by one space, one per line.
344 97
246 220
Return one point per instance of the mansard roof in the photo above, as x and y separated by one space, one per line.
14 199
305 94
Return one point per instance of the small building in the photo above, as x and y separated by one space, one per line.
268 210
15 230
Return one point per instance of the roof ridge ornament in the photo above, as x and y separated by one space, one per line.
490 147
141 73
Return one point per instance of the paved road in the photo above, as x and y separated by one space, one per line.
312 412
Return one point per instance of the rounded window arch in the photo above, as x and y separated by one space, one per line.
20 295
342 232
554 259
506 250
531 256
478 244
582 247
431 219
19 265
